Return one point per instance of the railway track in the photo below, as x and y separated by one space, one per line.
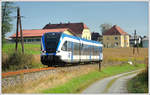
7 74
21 77
26 71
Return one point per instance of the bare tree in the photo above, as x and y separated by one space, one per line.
105 27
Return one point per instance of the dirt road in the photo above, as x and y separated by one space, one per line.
113 84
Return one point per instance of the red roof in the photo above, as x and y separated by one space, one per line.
38 32
77 28
115 30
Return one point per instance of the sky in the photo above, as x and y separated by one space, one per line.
127 15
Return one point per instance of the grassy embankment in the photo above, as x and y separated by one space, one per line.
112 56
77 84
71 80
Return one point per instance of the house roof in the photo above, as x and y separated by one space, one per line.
38 32
115 30
76 28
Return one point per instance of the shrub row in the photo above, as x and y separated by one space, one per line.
16 61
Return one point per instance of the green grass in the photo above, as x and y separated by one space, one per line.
77 84
28 48
138 84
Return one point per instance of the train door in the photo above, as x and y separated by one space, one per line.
76 47
80 48
66 52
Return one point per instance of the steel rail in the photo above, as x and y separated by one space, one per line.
25 71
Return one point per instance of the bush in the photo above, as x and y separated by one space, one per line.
17 61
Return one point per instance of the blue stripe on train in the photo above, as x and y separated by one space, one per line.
77 38
43 43
50 53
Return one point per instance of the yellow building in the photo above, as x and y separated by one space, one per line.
78 29
115 37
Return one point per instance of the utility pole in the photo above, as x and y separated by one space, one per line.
21 34
135 43
99 65
22 41
17 29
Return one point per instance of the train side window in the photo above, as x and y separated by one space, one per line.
100 49
64 47
69 46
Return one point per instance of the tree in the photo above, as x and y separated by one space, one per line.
105 27
7 9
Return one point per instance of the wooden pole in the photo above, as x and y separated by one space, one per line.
99 66
21 34
17 29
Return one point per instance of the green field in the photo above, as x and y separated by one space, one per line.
28 48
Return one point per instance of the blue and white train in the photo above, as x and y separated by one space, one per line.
59 49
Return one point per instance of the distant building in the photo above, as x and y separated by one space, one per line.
79 29
95 36
132 40
35 35
145 42
115 37
76 29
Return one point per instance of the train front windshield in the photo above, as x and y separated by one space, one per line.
51 41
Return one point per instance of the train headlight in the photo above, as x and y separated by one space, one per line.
43 51
57 51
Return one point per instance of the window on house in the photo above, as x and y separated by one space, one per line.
116 43
29 40
38 39
116 38
107 38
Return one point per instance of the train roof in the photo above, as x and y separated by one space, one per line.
78 38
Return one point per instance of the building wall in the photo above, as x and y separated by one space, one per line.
86 34
29 39
145 43
126 41
122 41
111 41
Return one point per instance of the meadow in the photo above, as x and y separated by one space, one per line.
110 55
28 48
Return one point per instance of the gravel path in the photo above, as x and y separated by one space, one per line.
119 86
